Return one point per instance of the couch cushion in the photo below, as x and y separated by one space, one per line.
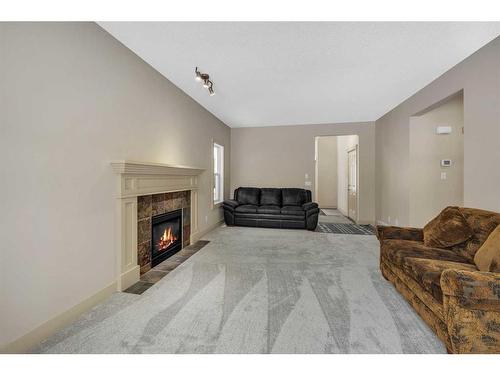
396 251
427 273
294 197
293 210
482 223
268 209
270 197
246 208
487 258
248 195
447 229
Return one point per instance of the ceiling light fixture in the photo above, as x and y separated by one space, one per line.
205 78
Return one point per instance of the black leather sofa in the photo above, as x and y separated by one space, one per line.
271 208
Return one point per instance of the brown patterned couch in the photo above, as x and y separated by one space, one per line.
459 302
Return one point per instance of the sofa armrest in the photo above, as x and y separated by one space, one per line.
399 233
471 301
309 206
473 289
230 203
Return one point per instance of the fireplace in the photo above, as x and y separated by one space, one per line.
166 236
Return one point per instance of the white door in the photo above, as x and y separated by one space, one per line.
352 183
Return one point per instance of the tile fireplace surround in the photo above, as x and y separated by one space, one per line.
157 204
145 190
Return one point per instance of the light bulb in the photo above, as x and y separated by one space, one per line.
205 84
197 74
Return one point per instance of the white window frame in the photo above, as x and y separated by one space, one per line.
217 173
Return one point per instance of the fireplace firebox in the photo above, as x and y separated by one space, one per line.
166 236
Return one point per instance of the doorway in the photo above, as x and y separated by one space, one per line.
336 178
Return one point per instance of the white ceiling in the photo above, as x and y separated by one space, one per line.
272 73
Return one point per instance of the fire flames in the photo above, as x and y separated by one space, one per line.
167 239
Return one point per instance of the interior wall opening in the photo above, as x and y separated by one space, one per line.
336 187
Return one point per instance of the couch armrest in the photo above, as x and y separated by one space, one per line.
473 289
471 301
399 233
309 206
230 203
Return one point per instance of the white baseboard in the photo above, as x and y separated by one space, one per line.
380 222
45 330
130 277
342 212
196 236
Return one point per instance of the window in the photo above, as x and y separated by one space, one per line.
218 173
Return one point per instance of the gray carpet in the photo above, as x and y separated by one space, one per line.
329 215
254 290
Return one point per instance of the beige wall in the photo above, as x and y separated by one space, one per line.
326 172
281 156
344 144
479 77
429 193
72 100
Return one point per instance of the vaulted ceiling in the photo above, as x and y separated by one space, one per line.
284 73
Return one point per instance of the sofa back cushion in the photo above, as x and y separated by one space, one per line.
270 197
487 258
482 223
294 197
248 195
448 229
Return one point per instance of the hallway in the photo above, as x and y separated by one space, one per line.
329 215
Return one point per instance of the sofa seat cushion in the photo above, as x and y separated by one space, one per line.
269 209
427 273
293 210
395 251
270 197
246 208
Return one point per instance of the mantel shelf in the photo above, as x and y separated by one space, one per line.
142 168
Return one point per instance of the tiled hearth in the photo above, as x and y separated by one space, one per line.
157 204
161 270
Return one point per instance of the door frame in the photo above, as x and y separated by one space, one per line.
353 149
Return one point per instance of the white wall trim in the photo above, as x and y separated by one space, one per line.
200 234
28 341
380 222
136 179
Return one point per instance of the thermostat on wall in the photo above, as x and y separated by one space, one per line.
446 163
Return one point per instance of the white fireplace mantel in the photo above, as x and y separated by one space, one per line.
141 178
135 167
